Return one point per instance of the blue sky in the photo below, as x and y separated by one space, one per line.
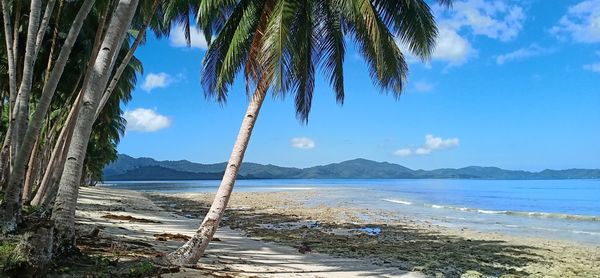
514 84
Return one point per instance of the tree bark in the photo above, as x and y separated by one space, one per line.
22 107
117 76
12 85
29 176
43 26
12 196
48 185
13 191
66 199
8 37
192 250
54 40
48 198
57 155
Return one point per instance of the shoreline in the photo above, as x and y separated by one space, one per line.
366 237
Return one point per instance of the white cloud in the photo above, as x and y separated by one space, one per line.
302 143
493 19
592 67
451 47
522 53
156 80
423 86
437 143
422 151
581 23
403 152
177 38
431 144
145 120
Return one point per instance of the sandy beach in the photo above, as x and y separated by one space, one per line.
274 234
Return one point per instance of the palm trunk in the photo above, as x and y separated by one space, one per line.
12 196
63 213
29 176
54 40
192 250
22 107
8 37
50 194
13 191
48 185
5 157
12 84
117 76
43 26
57 151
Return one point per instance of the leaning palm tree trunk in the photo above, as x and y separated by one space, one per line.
21 112
30 175
12 82
63 212
57 151
12 196
43 26
8 37
125 62
48 185
192 250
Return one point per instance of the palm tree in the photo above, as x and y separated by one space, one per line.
66 198
15 185
280 43
63 212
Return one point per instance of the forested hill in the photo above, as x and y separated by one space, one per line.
129 168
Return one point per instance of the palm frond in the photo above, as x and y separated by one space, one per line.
228 52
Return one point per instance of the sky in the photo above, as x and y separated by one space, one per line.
512 84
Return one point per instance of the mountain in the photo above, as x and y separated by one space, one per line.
162 173
129 168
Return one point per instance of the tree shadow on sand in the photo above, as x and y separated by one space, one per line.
396 245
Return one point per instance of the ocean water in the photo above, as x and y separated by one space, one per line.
556 209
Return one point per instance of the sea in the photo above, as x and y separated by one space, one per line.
552 209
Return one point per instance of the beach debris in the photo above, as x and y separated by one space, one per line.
128 218
167 236
303 248
94 232
301 224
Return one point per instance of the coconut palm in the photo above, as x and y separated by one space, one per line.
30 134
64 208
63 212
280 44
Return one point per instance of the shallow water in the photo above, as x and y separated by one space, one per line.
559 209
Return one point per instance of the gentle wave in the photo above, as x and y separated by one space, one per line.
535 214
398 201
586 232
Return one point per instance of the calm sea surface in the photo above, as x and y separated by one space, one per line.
560 209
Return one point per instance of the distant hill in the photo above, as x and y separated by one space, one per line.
129 168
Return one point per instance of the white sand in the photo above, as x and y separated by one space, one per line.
234 256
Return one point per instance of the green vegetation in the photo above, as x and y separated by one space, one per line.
9 260
129 168
142 269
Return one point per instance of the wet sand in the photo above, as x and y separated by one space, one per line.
273 234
